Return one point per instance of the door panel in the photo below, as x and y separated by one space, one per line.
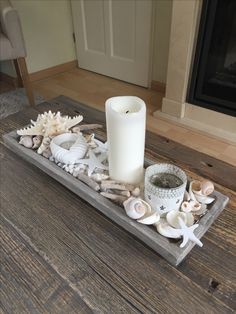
93 25
113 37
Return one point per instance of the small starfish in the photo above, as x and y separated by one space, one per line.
162 207
101 148
187 233
93 162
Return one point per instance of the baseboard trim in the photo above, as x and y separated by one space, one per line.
158 86
42 74
201 128
13 81
46 73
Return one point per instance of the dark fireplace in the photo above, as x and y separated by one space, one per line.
213 81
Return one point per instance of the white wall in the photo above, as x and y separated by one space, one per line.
162 23
47 28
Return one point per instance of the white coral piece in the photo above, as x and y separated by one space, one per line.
50 124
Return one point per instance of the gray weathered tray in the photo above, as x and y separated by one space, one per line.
163 246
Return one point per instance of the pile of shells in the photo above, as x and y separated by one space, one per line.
176 223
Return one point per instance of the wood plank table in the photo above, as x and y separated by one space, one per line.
60 255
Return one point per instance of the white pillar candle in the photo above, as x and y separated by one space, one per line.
126 125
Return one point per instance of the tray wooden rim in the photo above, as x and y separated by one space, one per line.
163 246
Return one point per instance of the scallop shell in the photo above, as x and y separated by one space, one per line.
207 187
26 140
74 153
167 231
136 207
150 218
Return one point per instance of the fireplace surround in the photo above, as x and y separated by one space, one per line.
213 80
176 106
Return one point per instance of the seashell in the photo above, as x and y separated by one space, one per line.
50 124
189 219
136 192
172 218
47 153
167 231
201 211
194 205
98 177
150 218
204 199
37 140
207 187
196 187
74 153
136 207
26 140
186 207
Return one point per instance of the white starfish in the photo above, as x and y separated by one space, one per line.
187 233
92 163
101 148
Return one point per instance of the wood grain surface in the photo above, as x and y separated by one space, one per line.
60 255
168 249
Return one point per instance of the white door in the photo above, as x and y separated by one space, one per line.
113 37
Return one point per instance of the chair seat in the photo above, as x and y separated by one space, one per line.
7 52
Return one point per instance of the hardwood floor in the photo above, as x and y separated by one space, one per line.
93 89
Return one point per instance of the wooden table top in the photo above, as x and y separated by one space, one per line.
60 255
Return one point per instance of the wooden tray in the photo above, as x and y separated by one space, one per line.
168 249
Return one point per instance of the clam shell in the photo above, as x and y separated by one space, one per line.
167 231
207 187
136 207
26 140
172 218
74 153
150 218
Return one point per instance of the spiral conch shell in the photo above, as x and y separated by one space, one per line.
199 191
136 208
74 153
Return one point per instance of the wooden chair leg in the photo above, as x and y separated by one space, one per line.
25 78
19 78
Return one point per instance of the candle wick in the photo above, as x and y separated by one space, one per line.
127 111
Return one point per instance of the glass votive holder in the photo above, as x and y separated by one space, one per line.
164 187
